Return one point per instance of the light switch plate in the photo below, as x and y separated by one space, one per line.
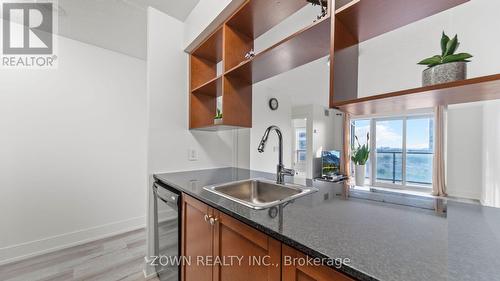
192 155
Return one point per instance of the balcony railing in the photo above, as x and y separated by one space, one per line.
418 163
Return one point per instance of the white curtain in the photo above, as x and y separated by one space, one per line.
439 171
346 156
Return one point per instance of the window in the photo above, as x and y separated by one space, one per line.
402 150
301 144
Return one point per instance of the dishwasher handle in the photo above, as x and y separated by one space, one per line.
166 196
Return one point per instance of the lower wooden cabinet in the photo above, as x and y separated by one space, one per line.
196 239
222 248
303 272
260 254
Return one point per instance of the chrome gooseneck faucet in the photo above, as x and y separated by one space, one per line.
281 171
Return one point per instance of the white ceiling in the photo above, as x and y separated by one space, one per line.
117 25
179 9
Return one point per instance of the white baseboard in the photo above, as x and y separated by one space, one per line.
148 270
464 195
55 243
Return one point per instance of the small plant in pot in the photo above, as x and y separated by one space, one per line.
360 156
448 66
218 117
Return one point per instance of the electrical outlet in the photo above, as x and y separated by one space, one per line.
192 155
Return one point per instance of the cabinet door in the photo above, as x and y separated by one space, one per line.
295 272
197 239
260 254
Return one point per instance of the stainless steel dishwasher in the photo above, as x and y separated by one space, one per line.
167 217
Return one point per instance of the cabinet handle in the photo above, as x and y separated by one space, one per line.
213 221
207 218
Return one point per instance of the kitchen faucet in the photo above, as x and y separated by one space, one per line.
281 171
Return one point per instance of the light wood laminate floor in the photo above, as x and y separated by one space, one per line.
116 258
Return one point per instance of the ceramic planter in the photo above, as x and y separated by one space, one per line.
359 173
218 121
444 73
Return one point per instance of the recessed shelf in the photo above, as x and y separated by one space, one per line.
465 91
210 88
367 19
306 45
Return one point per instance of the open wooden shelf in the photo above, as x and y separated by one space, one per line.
211 49
366 19
216 128
204 60
465 91
237 102
210 88
306 45
360 20
230 43
202 110
337 35
256 17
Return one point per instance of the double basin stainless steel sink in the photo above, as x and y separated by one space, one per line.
259 193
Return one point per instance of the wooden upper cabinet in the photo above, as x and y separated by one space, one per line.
367 19
197 240
221 75
296 272
256 17
359 20
261 254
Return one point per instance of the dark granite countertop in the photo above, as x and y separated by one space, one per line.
387 237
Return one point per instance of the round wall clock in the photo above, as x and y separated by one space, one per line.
273 104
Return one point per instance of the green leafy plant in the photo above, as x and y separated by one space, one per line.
218 115
361 153
448 49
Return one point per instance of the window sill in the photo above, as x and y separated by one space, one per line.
420 193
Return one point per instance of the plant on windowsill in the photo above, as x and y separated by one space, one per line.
448 66
218 117
360 156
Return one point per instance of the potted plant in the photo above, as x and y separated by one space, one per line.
218 117
360 155
448 66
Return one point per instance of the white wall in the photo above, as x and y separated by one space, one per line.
490 193
474 152
323 133
200 18
263 117
169 137
296 90
327 130
242 143
397 52
464 150
307 112
72 150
